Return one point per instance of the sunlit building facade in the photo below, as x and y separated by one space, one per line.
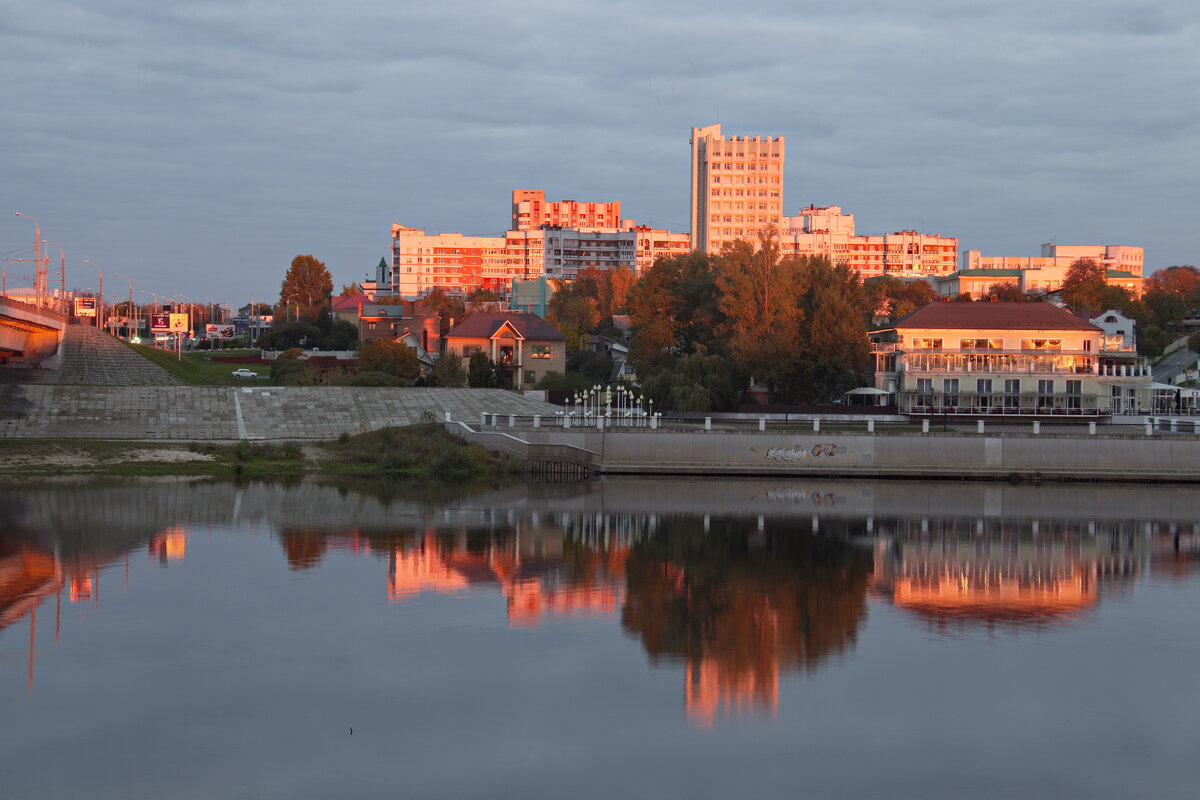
829 231
1046 272
737 187
530 211
1006 359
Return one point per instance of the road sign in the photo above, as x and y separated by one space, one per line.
85 306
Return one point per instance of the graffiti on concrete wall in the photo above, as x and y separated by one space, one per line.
788 454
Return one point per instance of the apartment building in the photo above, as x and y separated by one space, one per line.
1007 359
1047 272
530 211
829 231
736 189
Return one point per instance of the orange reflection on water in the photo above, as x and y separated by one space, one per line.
169 544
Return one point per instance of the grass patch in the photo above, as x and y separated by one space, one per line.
199 369
422 452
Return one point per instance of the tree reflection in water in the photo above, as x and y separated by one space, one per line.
739 604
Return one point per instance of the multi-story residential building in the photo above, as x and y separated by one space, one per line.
654 243
737 187
524 347
458 263
829 232
1047 272
1006 359
569 251
530 211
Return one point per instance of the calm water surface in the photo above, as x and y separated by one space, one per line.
622 638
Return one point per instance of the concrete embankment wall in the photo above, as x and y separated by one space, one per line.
236 412
909 455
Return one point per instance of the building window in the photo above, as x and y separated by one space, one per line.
1012 393
1074 394
530 377
950 391
540 351
370 326
919 343
1045 393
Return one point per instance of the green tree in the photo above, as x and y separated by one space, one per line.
574 310
350 289
449 372
288 335
673 307
392 358
1006 293
833 354
481 372
307 286
758 298
342 336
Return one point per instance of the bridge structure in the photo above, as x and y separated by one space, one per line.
29 335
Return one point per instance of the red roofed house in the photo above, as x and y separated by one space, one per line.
346 308
524 346
1005 358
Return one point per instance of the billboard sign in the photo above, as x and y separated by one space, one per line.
160 323
179 323
218 331
85 306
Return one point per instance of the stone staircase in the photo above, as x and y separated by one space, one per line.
94 358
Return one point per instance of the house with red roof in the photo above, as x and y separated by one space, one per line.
523 346
1005 359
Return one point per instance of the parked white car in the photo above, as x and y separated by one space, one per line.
244 373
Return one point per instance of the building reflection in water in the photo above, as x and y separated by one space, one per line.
734 602
32 573
960 575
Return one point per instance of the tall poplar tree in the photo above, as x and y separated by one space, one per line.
307 286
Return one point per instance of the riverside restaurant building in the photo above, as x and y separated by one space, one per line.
1007 359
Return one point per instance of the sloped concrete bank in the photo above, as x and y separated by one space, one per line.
1119 457
227 413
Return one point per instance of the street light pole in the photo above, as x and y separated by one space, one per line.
63 274
129 311
39 279
100 303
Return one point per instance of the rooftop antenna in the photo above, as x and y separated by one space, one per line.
532 172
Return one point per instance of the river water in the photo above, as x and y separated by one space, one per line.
619 638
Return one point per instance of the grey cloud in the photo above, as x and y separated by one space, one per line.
279 128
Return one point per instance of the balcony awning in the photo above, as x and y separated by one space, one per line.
867 390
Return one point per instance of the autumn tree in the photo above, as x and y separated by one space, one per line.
894 297
350 289
449 307
307 286
1085 288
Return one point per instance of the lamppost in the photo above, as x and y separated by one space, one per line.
62 273
39 280
100 302
129 312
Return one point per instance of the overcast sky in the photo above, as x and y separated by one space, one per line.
196 147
